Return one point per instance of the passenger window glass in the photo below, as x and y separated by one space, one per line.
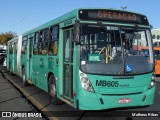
53 48
53 43
43 43
24 45
37 37
45 35
55 33
15 48
35 50
11 49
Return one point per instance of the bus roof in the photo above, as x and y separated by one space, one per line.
12 40
60 19
69 15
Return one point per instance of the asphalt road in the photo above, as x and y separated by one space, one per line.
43 98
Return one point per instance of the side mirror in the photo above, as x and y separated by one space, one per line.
76 32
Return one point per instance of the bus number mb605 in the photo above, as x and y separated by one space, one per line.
104 83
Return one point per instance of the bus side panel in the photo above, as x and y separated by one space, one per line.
39 74
43 64
42 71
35 70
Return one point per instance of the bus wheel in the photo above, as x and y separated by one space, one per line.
24 77
53 92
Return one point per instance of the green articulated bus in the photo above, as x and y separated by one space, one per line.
90 59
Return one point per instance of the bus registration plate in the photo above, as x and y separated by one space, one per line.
124 100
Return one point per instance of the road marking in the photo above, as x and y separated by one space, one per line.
31 98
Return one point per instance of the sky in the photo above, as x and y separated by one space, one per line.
22 15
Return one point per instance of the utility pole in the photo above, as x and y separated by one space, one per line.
21 25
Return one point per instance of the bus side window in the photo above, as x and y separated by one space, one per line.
15 45
53 43
35 50
44 44
40 43
24 45
11 49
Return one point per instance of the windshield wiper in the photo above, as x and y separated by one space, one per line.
102 26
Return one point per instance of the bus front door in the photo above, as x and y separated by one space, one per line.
68 64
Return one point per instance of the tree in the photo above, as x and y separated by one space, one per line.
5 37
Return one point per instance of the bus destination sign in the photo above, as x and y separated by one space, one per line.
112 16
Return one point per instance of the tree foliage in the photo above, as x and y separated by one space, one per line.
5 37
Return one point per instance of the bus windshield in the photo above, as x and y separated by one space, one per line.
113 50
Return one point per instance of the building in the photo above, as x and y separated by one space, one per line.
156 37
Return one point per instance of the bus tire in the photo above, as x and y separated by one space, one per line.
53 92
25 83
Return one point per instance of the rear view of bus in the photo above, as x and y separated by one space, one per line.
113 69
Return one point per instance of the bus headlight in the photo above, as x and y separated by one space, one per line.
153 82
85 82
84 79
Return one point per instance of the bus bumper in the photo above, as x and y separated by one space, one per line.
94 101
